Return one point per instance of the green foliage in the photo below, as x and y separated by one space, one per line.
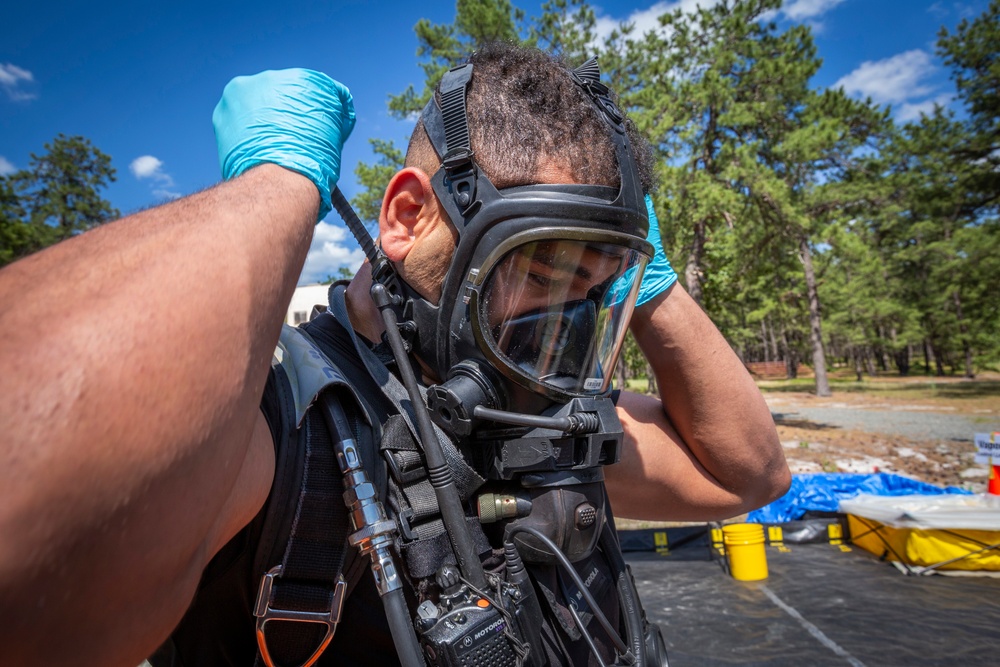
805 222
442 46
973 53
343 273
374 178
56 197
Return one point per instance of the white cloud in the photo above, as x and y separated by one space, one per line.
798 10
912 111
938 9
146 166
894 79
6 166
332 247
643 20
646 20
11 79
150 167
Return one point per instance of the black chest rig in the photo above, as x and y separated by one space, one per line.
543 612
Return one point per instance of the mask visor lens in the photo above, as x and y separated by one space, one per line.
557 311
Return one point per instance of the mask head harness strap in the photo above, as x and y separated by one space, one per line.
451 125
588 76
446 123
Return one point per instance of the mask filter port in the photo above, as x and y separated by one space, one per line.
453 402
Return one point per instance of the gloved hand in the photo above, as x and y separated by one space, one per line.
296 118
659 274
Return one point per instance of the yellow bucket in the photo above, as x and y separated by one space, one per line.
745 549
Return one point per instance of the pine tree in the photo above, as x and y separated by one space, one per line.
374 178
56 197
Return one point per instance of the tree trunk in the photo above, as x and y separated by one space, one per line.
902 362
857 364
651 381
815 324
964 330
928 356
692 271
791 357
904 357
870 362
621 374
938 364
774 342
763 341
882 354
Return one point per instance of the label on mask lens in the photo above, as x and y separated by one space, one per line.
592 384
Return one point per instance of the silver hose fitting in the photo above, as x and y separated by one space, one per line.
374 532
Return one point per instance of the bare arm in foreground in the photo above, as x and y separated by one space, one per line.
134 357
133 361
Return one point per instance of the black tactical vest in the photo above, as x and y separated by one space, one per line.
218 629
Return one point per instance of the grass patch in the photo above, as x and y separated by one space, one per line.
952 393
956 392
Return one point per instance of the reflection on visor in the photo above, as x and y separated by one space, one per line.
556 311
554 344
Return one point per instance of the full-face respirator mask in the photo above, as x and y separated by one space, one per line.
532 318
524 338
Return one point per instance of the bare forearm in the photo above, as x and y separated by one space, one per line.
134 358
711 400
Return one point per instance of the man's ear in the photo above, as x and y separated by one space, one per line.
409 211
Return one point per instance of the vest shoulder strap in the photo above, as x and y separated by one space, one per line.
304 553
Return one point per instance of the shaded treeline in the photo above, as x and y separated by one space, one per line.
811 226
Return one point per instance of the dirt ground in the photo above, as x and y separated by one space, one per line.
915 427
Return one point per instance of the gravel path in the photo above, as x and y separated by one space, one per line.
922 425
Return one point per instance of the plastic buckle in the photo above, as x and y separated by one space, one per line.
403 519
402 476
462 177
265 614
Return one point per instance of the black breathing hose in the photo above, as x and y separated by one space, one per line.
375 534
438 471
627 594
401 629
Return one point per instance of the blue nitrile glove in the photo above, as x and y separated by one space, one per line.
296 118
659 274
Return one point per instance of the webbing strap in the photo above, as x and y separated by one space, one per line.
415 501
456 123
310 573
466 479
447 126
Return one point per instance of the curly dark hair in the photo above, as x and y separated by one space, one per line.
525 109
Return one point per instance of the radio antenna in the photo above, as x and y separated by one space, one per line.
382 271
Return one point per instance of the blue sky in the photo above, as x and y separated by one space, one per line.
140 80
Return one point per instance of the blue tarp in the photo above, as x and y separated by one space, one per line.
822 492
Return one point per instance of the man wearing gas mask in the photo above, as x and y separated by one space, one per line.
431 473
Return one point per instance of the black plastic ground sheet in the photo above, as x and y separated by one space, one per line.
821 605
